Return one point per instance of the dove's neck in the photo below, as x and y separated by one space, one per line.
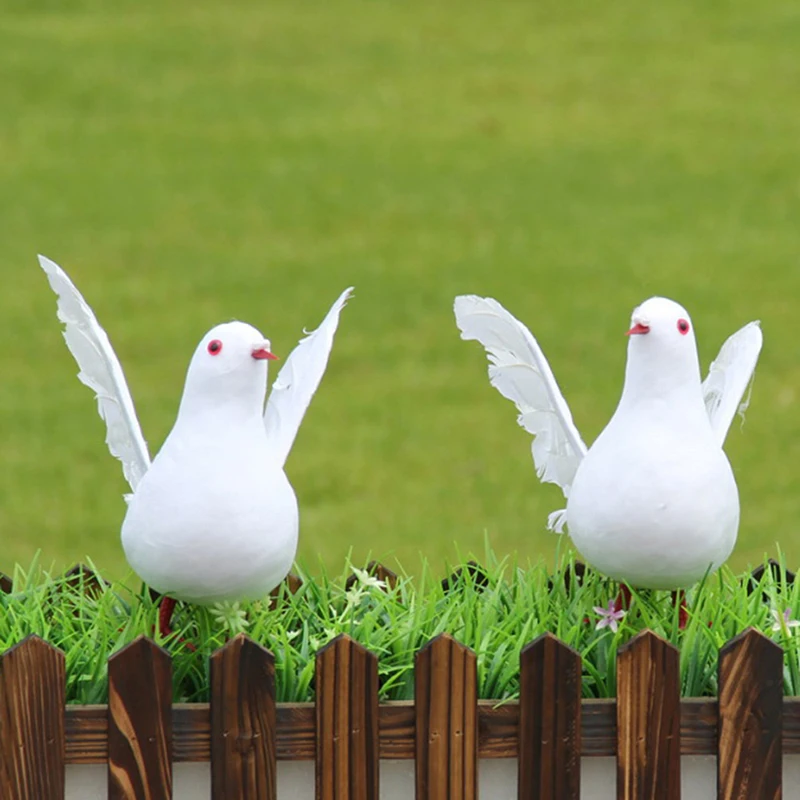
664 385
219 399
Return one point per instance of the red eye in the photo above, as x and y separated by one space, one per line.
215 347
683 326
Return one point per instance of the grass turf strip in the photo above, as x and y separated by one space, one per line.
496 612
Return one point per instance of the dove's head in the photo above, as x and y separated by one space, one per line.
662 352
228 368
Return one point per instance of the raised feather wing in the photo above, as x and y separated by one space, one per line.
298 380
520 372
100 370
729 376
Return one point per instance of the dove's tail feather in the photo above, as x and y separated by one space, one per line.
298 380
729 376
520 372
100 370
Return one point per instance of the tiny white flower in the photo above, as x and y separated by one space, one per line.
783 622
230 616
610 617
367 580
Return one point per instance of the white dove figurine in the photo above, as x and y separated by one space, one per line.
653 503
213 519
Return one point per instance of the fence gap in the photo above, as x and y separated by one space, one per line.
32 744
140 722
243 754
749 758
648 720
549 760
347 748
446 710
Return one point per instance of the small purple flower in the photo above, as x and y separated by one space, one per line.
610 617
783 622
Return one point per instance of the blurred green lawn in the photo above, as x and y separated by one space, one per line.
189 163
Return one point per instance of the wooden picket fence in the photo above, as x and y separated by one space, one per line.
446 730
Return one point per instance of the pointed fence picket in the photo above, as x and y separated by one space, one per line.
291 584
32 691
446 710
749 761
243 721
549 759
376 570
84 578
140 722
648 719
347 747
244 734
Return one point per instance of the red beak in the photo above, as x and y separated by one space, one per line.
264 353
637 329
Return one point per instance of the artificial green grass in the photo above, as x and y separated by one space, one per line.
496 614
191 162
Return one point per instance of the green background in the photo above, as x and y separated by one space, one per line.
189 163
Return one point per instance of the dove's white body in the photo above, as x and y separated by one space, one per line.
653 502
214 518
653 507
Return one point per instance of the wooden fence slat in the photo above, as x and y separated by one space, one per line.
779 575
549 760
446 711
291 583
377 570
347 745
243 722
648 720
749 760
81 576
87 730
32 743
578 571
140 722
477 574
6 584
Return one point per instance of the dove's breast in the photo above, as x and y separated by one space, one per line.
654 509
210 523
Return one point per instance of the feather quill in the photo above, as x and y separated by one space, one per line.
519 370
298 380
101 371
729 376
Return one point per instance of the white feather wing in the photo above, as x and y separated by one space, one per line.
100 370
729 376
520 372
298 380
